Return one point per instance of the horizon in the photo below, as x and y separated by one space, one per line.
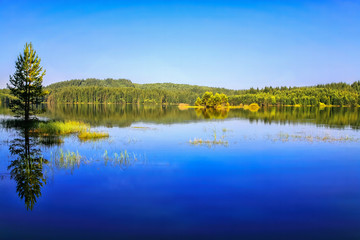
244 44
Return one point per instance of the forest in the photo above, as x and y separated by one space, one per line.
333 94
124 91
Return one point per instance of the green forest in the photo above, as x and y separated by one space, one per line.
124 91
336 94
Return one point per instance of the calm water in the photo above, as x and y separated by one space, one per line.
279 173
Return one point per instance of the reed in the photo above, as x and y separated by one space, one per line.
214 141
66 160
124 159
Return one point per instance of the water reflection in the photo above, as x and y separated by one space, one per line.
30 170
127 114
211 113
124 115
27 167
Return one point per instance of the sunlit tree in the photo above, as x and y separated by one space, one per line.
26 84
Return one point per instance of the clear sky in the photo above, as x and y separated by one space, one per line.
233 44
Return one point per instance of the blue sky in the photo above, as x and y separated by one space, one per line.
233 44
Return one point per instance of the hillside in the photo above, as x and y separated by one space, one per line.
124 91
109 82
116 83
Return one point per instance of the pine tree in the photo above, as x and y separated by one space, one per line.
26 84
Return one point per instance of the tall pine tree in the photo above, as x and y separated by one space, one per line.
26 84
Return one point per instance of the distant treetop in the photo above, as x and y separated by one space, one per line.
109 82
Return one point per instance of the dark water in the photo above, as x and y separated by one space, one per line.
279 173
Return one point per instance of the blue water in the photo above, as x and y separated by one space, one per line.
278 181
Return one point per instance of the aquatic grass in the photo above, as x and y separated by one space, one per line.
87 135
60 128
56 128
285 137
199 141
210 143
124 159
66 160
70 160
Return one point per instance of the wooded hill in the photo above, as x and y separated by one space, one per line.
124 91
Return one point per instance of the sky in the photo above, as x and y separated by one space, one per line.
232 44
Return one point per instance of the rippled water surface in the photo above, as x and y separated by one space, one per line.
278 173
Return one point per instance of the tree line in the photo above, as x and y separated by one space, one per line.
124 91
337 94
96 91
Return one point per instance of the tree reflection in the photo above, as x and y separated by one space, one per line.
212 113
27 167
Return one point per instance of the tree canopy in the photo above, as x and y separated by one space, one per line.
26 84
210 100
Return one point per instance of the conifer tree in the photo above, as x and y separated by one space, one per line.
26 84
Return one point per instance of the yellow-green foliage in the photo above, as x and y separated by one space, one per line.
254 107
210 100
54 128
87 135
61 128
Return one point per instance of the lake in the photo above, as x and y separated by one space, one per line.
278 173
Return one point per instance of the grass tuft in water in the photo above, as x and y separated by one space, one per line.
124 159
210 143
57 128
285 137
66 160
60 128
87 135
